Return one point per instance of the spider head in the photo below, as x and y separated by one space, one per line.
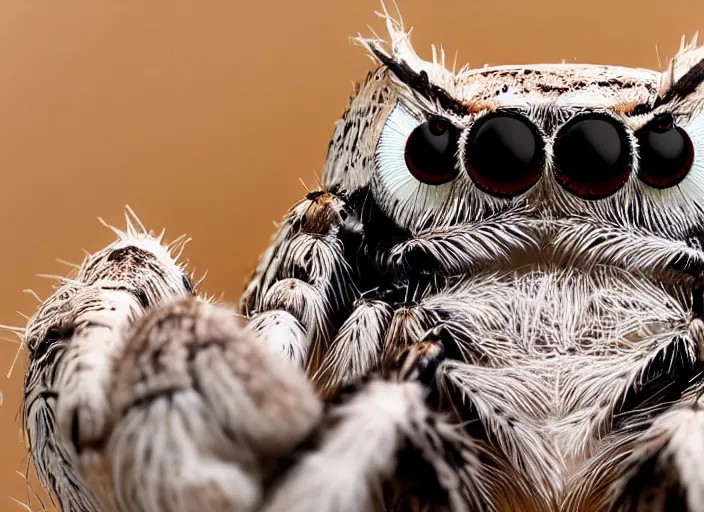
434 148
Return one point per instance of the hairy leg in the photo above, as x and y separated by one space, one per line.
74 336
202 413
383 448
110 347
655 469
357 348
72 340
651 459
303 282
665 471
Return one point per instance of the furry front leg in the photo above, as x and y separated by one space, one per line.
72 339
383 449
665 471
650 457
203 413
357 348
303 282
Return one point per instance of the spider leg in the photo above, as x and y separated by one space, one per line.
303 282
357 348
381 446
203 413
137 400
73 339
373 333
651 459
665 470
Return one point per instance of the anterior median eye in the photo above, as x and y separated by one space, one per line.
430 151
592 156
666 153
504 154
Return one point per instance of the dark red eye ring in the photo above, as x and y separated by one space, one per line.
430 152
666 153
504 154
593 156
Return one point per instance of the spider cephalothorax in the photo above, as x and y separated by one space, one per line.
496 295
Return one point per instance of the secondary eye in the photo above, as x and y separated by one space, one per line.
430 151
592 156
504 154
414 166
666 153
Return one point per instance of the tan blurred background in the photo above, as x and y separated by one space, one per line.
204 115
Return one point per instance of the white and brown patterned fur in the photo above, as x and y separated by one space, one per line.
462 352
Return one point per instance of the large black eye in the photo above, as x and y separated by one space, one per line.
504 154
430 151
592 156
666 153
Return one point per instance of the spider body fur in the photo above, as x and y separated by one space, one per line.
493 303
